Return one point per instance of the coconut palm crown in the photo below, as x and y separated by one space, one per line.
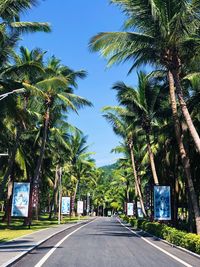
161 33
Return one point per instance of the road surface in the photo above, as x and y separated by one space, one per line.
105 242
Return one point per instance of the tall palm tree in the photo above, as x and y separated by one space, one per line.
167 35
183 153
54 92
142 103
26 68
126 131
163 35
79 161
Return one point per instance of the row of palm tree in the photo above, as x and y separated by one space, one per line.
164 35
35 129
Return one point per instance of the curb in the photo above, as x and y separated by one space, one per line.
18 257
166 242
37 231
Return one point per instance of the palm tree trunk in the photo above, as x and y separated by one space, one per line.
136 179
75 193
151 159
183 154
185 111
127 191
7 215
35 182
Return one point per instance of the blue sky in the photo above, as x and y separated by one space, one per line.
74 23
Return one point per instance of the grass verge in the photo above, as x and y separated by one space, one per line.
16 228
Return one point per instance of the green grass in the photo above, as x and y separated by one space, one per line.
16 228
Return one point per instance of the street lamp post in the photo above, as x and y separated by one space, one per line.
88 203
60 192
4 154
12 92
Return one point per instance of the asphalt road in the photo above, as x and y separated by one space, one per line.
106 243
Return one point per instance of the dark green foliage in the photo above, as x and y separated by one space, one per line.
179 238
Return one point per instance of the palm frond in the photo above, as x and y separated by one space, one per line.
29 27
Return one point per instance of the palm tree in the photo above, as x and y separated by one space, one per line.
167 36
126 131
142 103
26 67
79 161
54 92
183 153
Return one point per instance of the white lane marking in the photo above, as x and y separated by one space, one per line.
153 245
44 259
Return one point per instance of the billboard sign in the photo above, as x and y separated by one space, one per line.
162 203
139 210
20 200
109 213
130 209
80 207
65 207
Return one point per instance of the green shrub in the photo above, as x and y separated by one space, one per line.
186 240
198 246
191 242
125 218
154 228
173 235
133 222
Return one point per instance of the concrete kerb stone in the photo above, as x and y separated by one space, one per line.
18 257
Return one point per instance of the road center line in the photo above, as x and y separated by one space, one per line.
153 245
44 259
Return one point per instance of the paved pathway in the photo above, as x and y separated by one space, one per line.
20 246
106 243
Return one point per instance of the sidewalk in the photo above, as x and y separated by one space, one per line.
15 249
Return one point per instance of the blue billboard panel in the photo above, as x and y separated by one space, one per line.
130 209
162 203
20 200
65 208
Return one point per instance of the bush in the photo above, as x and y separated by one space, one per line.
191 242
125 218
153 228
134 222
173 235
179 238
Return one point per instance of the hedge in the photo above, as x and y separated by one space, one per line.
179 238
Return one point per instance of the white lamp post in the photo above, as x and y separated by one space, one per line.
12 92
60 193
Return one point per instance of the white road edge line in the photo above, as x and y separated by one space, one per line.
153 245
44 259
